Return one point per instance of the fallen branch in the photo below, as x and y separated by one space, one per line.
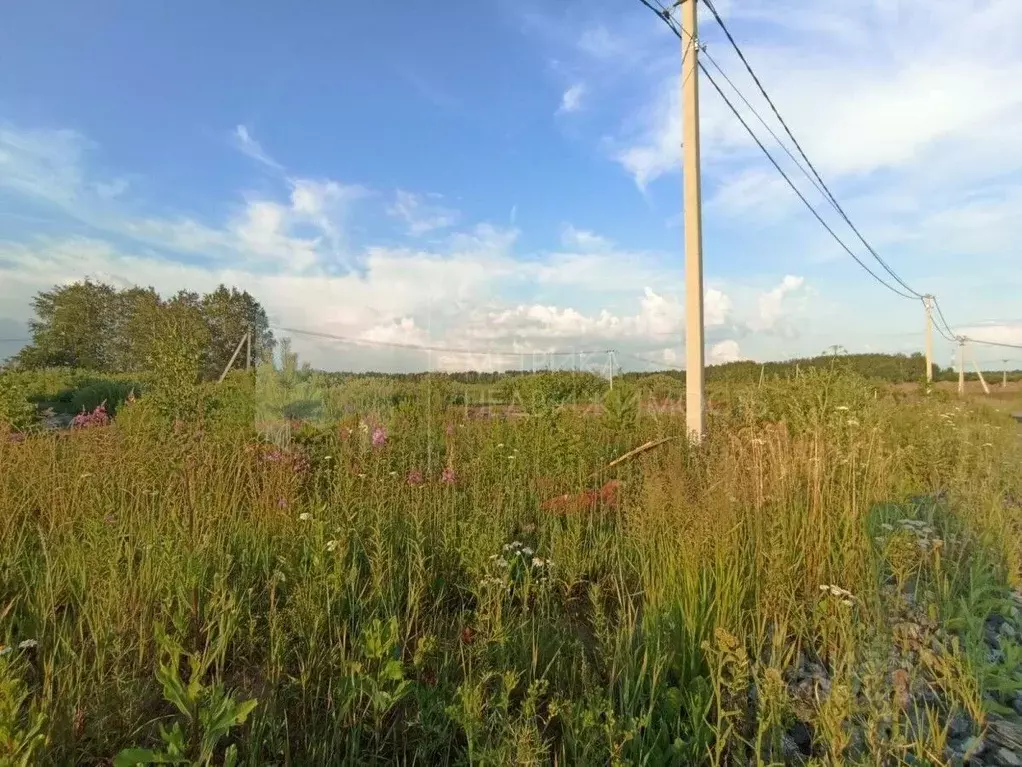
631 454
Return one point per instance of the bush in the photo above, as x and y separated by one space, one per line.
111 393
16 412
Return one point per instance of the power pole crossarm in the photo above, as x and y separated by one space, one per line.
695 408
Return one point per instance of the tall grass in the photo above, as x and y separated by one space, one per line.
413 602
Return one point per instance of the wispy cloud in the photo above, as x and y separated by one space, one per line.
419 215
249 146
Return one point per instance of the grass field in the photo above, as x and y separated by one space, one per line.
828 579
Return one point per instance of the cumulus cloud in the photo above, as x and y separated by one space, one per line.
771 304
724 351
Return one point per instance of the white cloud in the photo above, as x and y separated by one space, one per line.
249 146
571 100
582 241
724 351
771 304
420 216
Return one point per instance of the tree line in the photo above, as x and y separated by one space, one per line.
95 326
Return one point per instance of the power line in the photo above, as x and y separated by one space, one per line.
428 348
780 170
787 130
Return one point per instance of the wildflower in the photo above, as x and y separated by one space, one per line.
415 477
109 519
379 436
842 408
988 444
852 422
86 475
527 551
500 445
305 516
27 644
538 562
4 650
331 545
448 476
837 591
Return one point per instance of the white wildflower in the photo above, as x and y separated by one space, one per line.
5 650
331 545
27 644
852 422
527 551
842 408
538 562
305 516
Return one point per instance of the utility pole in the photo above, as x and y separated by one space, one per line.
1004 374
695 408
610 363
961 366
928 303
248 350
234 356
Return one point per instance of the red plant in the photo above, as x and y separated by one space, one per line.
608 495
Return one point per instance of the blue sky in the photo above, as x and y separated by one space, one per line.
506 175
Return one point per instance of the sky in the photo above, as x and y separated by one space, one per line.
500 181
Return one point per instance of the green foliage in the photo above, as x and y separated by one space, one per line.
111 392
16 412
550 389
93 326
175 358
422 601
22 725
207 712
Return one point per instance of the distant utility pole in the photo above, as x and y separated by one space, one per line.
928 304
248 350
695 408
961 365
1004 374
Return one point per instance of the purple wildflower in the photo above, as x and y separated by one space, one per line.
379 436
415 477
448 476
109 519
282 503
97 417
16 437
450 429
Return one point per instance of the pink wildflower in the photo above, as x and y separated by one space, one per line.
415 477
448 476
379 436
97 417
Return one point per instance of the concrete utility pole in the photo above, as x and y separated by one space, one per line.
234 356
982 380
248 350
1004 375
928 303
695 408
961 365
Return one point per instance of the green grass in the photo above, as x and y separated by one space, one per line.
167 573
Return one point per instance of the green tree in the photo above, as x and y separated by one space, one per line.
73 327
229 315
